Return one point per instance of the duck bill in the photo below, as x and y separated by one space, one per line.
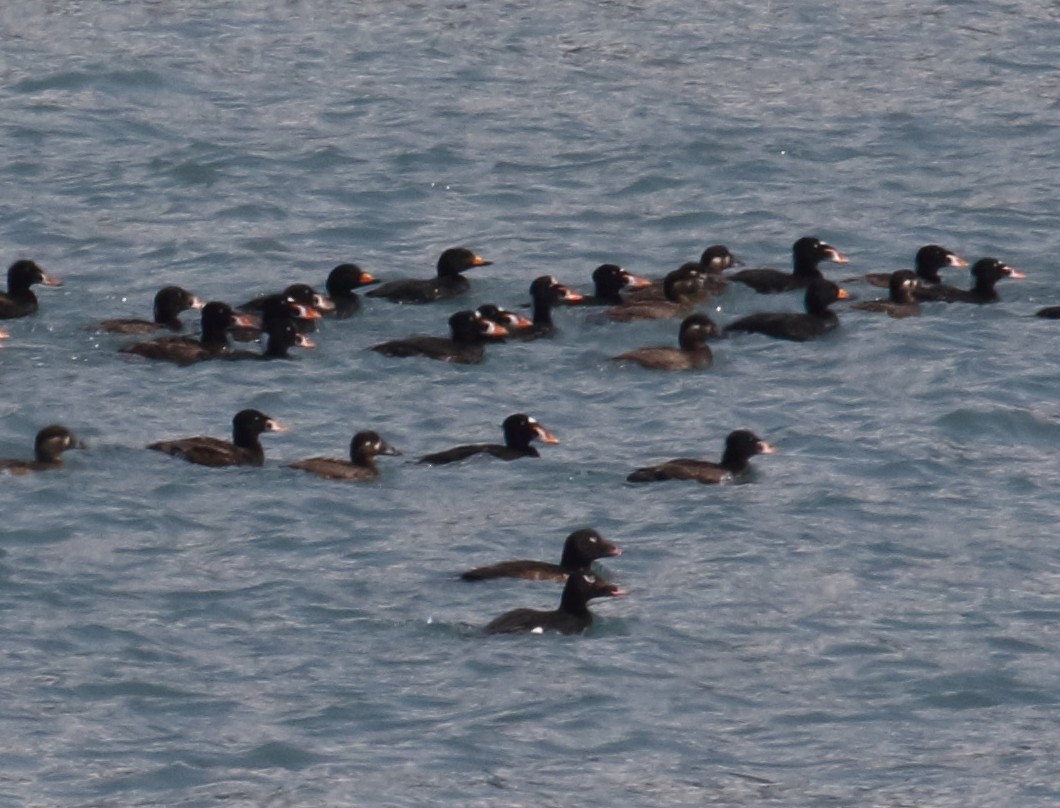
615 592
302 341
4 335
492 329
832 254
197 303
614 551
957 261
1015 274
569 295
637 282
50 280
390 450
367 279
478 261
245 321
322 303
518 321
306 312
766 448
843 294
272 425
544 435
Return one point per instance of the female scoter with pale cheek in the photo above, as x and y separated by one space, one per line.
572 616
580 550
449 281
806 254
215 320
20 301
710 266
169 302
244 450
901 301
519 430
361 466
740 447
48 449
692 352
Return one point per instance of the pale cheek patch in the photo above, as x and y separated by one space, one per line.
537 630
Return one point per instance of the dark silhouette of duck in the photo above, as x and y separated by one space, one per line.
572 616
449 281
364 447
711 264
215 320
681 288
280 337
816 322
986 272
510 321
609 283
244 450
928 261
545 293
901 301
580 550
48 448
342 283
806 254
20 301
169 302
692 352
519 431
469 332
740 447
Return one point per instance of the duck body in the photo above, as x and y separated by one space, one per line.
48 448
169 302
711 264
341 284
243 450
572 616
609 282
740 446
545 293
519 430
692 352
681 288
807 253
281 336
20 301
928 261
986 272
580 549
361 467
469 332
448 283
816 322
216 318
901 301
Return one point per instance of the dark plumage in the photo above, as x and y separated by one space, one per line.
806 254
1049 313
48 448
693 352
572 616
740 447
301 293
519 430
469 331
581 548
985 273
448 282
902 300
273 310
20 300
170 301
817 321
609 282
510 321
216 318
341 285
714 260
680 289
360 467
545 292
244 450
280 337
929 260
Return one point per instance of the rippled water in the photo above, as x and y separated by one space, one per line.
872 622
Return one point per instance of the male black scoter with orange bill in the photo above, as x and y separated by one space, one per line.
342 283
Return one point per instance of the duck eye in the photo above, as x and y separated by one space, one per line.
592 539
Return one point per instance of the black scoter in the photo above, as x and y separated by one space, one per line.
469 331
711 264
901 301
360 467
693 352
806 254
681 288
580 549
817 321
215 320
572 616
48 448
342 283
244 450
20 300
519 430
447 283
170 301
740 447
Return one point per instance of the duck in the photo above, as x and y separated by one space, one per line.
510 321
609 282
361 467
572 616
469 331
20 301
48 448
681 288
902 301
280 308
215 319
545 293
806 254
740 446
692 352
580 549
299 293
986 272
169 302
448 283
816 322
244 450
281 336
928 261
519 430
341 284
714 260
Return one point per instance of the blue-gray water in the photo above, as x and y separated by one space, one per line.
872 622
